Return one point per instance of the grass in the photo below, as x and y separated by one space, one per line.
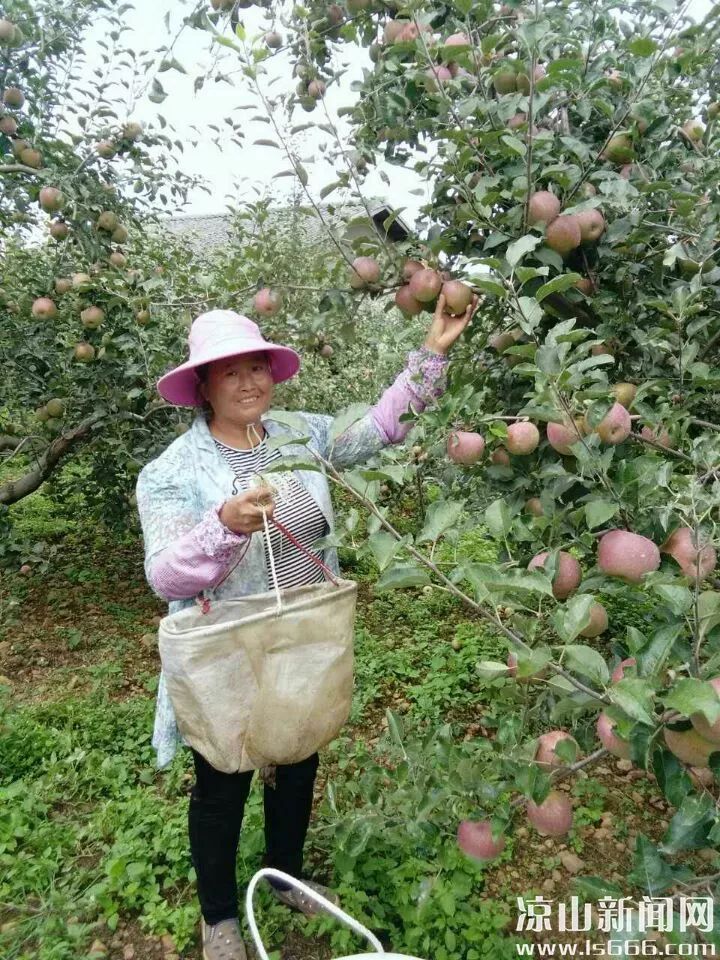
93 840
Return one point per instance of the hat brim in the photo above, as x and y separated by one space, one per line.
181 386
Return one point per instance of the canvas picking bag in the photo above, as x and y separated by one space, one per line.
265 679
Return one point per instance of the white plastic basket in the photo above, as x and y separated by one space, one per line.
331 909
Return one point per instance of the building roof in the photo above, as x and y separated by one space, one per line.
205 233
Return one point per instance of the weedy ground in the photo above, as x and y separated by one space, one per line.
94 857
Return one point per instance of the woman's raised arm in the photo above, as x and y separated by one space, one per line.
422 381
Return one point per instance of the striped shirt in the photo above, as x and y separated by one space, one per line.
294 508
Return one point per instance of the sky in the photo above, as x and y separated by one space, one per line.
238 173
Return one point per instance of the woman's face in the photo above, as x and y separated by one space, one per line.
239 389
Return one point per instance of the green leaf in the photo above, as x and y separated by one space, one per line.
360 834
677 597
346 418
690 696
582 659
302 174
708 611
642 47
263 142
486 579
530 313
491 669
517 250
498 519
157 93
402 575
597 412
393 472
515 143
226 42
384 546
489 286
594 888
395 728
650 872
171 64
557 285
572 617
653 654
440 517
530 663
292 463
671 777
548 359
598 512
329 188
689 828
634 697
277 442
290 419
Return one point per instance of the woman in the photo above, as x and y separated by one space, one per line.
199 510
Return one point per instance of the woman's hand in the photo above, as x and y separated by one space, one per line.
445 328
244 513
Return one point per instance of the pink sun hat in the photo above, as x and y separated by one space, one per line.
214 336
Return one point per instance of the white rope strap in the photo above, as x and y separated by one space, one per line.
276 587
330 907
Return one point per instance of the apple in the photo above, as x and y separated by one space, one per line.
544 207
627 555
624 393
364 272
564 235
619 671
458 296
568 572
522 438
476 841
561 436
545 755
267 302
407 303
616 426
465 447
709 731
92 317
44 308
609 739
689 746
695 559
598 621
84 352
592 225
51 199
425 285
553 817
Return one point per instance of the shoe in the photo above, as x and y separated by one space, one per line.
222 941
298 900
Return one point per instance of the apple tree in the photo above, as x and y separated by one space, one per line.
572 156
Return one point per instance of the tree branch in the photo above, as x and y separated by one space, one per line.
21 168
15 490
494 619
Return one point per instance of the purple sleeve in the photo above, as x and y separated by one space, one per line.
421 382
197 560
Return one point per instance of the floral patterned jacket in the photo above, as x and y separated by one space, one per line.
180 493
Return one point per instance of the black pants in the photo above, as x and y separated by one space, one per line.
217 804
